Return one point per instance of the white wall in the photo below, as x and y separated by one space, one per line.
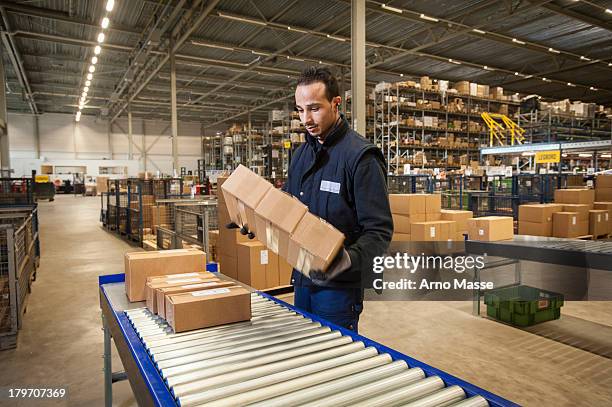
61 138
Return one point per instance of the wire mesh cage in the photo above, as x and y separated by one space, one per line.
487 204
410 184
16 191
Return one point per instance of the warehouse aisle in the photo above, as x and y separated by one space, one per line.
61 342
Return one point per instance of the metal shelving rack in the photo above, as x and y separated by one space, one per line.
545 127
390 134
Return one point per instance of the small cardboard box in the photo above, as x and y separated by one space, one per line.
401 223
242 192
608 207
459 216
433 203
567 224
407 204
535 228
598 222
154 284
491 228
256 265
277 216
603 194
161 293
574 196
581 209
401 237
313 244
538 213
229 239
202 309
603 181
140 265
463 87
433 231
228 265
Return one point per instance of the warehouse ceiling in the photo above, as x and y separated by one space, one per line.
239 56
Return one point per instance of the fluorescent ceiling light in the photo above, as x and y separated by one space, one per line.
609 11
94 60
294 59
87 83
397 10
584 58
488 68
593 88
333 37
101 38
109 5
89 76
554 51
424 17
516 74
97 50
452 61
84 94
206 44
518 41
528 154
585 155
105 22
86 89
476 30
401 74
606 155
246 20
92 69
545 80
260 53
297 30
571 84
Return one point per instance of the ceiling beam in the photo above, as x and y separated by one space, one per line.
567 12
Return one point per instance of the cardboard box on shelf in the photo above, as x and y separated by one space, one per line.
574 196
153 284
566 224
162 292
598 222
257 266
603 181
491 228
535 228
603 194
463 87
459 216
277 216
243 191
401 223
228 265
425 83
581 209
202 309
407 204
401 237
140 265
313 244
538 213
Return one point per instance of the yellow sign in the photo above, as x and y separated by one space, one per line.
41 178
287 144
545 157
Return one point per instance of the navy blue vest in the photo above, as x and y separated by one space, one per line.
318 171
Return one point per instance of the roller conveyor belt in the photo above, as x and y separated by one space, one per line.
282 358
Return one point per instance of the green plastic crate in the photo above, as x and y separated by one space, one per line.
523 305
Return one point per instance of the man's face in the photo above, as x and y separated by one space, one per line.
316 112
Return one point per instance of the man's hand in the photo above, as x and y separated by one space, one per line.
243 230
341 263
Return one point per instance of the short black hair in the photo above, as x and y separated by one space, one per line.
316 74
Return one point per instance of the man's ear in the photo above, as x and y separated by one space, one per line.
337 101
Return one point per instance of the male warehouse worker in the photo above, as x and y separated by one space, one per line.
340 176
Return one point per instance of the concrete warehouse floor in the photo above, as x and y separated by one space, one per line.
61 340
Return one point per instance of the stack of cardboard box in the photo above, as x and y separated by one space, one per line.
573 221
537 219
418 217
280 222
460 218
607 206
603 188
599 223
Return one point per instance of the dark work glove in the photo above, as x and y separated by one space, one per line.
341 263
243 230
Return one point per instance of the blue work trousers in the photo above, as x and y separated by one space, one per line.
340 306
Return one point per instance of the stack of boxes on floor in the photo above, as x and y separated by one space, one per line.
491 228
603 198
418 217
574 214
289 235
175 286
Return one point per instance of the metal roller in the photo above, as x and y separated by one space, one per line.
351 352
269 380
175 358
404 394
441 398
302 382
300 397
227 367
261 346
476 401
348 397
189 346
224 328
227 334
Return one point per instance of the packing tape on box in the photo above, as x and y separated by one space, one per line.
272 237
304 261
